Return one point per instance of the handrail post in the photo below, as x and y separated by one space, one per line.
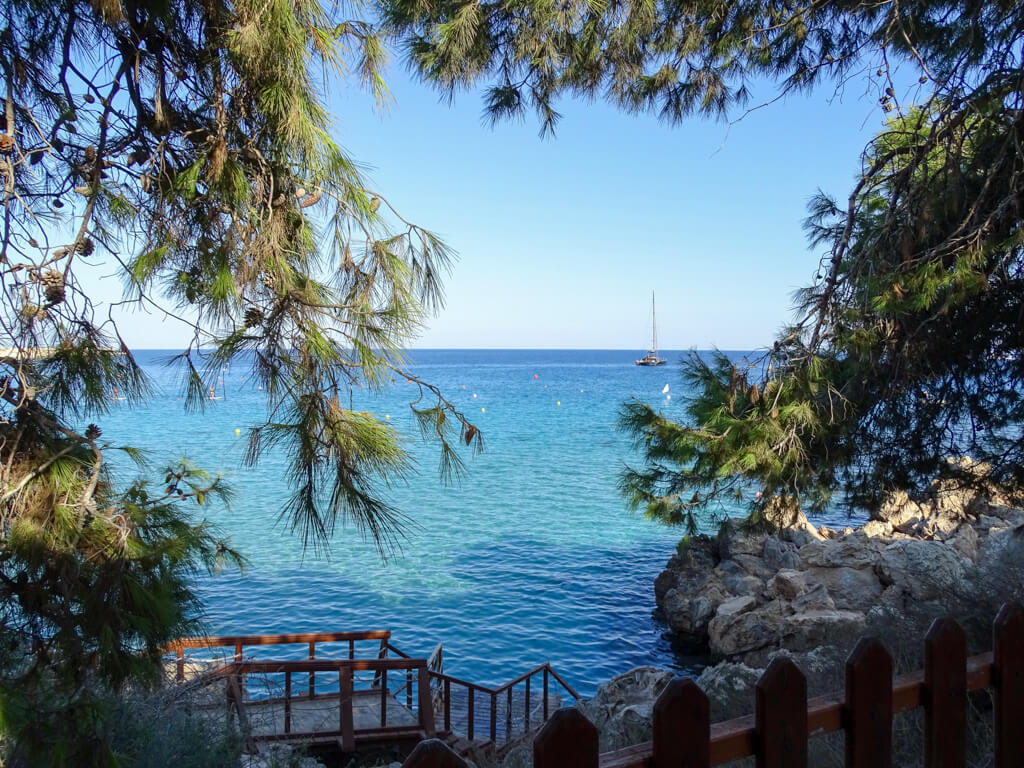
494 717
287 701
425 701
384 697
181 664
526 708
508 715
447 705
471 715
312 674
345 722
545 692
238 652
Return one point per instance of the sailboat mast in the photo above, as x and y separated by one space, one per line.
654 326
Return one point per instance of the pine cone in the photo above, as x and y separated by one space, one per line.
90 154
53 286
253 317
85 246
92 432
6 144
312 199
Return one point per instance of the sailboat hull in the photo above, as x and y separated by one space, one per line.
651 361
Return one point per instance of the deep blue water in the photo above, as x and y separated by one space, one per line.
532 557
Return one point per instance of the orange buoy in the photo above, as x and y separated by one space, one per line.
535 377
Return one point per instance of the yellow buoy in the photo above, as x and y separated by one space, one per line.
482 410
387 415
238 431
558 402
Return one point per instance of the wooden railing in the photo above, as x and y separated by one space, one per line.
490 697
777 734
238 644
346 732
437 692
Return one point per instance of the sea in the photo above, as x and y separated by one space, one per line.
532 556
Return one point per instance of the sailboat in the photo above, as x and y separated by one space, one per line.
651 358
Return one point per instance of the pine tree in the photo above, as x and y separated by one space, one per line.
183 144
906 358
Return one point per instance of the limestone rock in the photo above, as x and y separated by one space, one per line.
736 605
924 569
853 550
875 528
853 589
965 541
621 708
780 554
787 584
801 533
729 686
814 599
737 633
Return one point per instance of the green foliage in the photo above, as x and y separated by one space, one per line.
185 147
907 361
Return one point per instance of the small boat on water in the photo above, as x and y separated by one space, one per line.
651 358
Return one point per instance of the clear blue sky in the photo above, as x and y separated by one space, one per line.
561 240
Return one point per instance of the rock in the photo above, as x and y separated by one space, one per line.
737 633
736 605
742 584
854 550
800 533
965 541
690 614
621 708
274 755
853 589
780 554
732 541
813 628
898 508
755 566
874 528
925 569
814 599
910 526
787 584
729 686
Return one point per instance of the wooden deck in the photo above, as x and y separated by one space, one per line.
333 693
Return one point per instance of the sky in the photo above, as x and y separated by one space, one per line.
562 240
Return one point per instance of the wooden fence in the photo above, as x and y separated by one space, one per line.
776 736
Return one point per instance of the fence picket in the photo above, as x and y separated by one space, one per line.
781 716
1008 685
945 699
567 740
682 726
433 753
867 710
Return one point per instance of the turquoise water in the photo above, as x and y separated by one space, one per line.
532 557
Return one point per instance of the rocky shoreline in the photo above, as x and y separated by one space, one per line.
740 596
